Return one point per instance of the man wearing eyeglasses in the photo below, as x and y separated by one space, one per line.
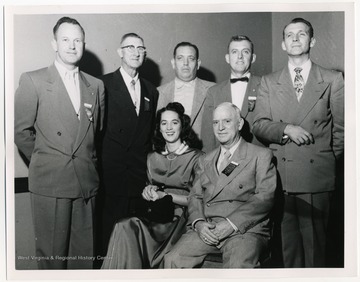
240 89
129 122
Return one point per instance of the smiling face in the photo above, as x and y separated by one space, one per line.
240 57
170 127
185 63
131 60
227 125
297 41
68 45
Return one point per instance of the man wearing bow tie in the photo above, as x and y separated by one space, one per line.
240 89
300 113
58 111
230 201
186 88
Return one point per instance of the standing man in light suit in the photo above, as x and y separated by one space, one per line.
186 88
240 89
58 111
230 201
300 113
129 125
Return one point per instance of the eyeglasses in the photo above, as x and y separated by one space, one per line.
131 48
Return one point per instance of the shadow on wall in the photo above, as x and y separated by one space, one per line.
206 74
151 72
91 64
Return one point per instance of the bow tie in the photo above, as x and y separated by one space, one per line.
244 79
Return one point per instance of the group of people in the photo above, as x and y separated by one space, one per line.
145 177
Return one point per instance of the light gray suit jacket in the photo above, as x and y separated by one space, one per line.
307 168
245 197
166 95
222 93
59 146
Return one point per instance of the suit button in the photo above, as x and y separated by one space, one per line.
240 186
120 130
208 204
73 156
311 161
281 120
58 133
284 159
230 201
315 121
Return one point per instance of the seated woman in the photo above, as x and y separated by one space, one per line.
138 243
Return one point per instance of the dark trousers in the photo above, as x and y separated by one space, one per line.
63 232
304 229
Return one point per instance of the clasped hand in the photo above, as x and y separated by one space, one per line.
298 135
212 234
151 193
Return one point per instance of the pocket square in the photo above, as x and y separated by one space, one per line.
146 104
88 111
251 103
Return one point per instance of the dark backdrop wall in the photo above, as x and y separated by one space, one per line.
162 31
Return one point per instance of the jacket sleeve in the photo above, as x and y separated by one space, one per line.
26 104
195 207
259 205
102 105
337 111
264 127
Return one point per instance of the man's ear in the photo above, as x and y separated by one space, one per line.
283 45
173 63
53 44
253 58
120 52
312 42
241 123
227 58
198 64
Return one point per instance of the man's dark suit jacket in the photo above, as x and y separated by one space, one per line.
220 93
127 137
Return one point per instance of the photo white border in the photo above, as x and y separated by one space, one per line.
351 262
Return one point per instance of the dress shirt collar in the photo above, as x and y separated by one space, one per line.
127 78
180 84
305 70
247 74
63 71
231 150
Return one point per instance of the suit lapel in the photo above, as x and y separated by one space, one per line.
239 157
250 89
87 107
123 97
210 167
199 98
61 102
286 97
313 90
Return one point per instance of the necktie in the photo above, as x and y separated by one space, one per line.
72 88
224 161
298 83
243 79
134 96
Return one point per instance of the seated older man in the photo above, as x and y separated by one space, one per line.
230 201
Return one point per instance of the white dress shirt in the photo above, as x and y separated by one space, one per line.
135 96
238 90
184 94
70 79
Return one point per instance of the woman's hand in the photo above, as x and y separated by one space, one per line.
151 193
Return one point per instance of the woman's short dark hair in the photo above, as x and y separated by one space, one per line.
187 134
